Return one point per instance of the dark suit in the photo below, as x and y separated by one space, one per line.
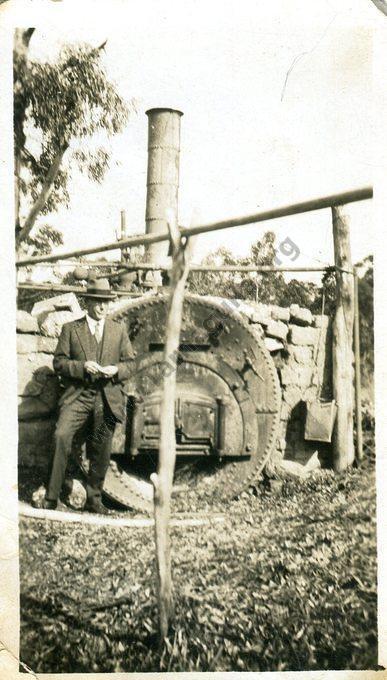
87 397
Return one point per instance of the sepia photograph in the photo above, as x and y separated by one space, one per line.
192 235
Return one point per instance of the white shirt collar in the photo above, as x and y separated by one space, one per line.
92 323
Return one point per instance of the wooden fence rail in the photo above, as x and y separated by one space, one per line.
275 213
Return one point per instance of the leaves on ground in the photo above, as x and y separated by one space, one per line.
287 582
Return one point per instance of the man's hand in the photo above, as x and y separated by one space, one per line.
92 367
108 371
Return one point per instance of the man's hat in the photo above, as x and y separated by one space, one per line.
99 288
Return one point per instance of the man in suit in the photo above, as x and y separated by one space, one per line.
92 359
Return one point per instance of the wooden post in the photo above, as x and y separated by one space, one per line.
163 480
356 338
342 357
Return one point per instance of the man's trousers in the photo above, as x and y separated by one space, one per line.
90 405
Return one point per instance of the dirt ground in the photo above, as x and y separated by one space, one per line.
286 582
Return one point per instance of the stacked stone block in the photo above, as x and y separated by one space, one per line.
38 387
300 344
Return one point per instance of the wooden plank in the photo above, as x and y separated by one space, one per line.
342 335
146 239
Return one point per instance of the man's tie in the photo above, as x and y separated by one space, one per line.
98 332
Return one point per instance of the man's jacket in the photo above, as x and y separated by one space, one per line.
76 346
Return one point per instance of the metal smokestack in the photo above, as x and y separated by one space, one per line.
163 175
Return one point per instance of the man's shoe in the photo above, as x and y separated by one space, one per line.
96 507
48 504
44 504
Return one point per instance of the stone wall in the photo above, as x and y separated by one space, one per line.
38 388
299 343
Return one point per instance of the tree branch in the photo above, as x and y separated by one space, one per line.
43 196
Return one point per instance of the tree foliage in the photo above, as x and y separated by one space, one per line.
59 107
242 286
267 287
366 316
44 239
272 288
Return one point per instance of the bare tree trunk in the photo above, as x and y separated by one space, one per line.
163 480
43 196
21 43
17 190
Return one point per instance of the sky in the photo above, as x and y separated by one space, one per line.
276 102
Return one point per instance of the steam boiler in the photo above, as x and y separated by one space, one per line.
227 407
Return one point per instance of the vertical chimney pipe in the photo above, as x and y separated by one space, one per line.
162 177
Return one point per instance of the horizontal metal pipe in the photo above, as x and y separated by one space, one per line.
69 289
195 268
222 268
88 263
123 267
145 239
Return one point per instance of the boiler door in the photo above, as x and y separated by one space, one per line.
208 417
